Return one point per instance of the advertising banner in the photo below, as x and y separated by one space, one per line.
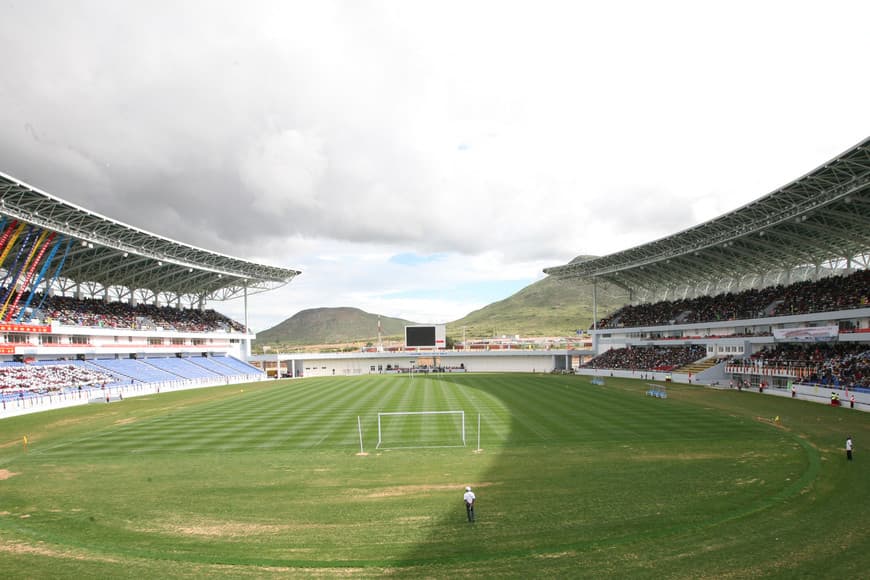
806 334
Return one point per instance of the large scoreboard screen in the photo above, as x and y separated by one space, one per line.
426 336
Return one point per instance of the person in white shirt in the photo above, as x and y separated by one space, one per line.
469 503
849 448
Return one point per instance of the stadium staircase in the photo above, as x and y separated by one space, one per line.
698 367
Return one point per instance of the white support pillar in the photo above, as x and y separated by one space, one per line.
594 303
247 329
246 307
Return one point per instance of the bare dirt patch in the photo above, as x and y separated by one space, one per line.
260 571
66 422
218 529
414 519
230 529
403 490
126 421
6 474
43 550
750 481
678 456
569 554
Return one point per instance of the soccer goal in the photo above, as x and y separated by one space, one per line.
421 429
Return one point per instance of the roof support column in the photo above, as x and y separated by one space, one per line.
594 315
247 339
594 304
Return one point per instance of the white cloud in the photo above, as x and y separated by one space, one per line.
284 170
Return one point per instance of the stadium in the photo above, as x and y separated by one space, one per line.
140 436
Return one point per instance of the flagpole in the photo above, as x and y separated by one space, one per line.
380 342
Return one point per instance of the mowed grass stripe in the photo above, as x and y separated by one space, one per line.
323 413
171 432
401 398
495 420
339 427
234 425
478 402
536 423
303 418
448 395
601 414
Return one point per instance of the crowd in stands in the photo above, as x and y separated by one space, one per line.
98 313
648 358
825 295
845 365
50 377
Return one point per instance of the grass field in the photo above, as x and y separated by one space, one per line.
573 480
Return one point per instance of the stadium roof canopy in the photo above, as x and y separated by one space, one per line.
820 220
99 254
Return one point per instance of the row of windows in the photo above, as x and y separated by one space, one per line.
49 339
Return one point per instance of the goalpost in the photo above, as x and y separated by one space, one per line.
421 429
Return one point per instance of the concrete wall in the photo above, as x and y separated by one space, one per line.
349 365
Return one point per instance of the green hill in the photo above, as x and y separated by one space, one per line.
324 326
549 307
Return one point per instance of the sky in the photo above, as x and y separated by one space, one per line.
422 159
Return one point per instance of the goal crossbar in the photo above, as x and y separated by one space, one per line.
423 413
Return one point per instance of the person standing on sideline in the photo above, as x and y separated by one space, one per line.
849 448
469 502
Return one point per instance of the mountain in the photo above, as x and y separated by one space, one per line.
549 307
324 326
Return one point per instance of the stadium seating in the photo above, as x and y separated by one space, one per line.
96 313
135 370
837 365
20 382
825 295
234 365
648 358
181 367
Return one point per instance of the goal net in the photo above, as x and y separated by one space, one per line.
420 429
